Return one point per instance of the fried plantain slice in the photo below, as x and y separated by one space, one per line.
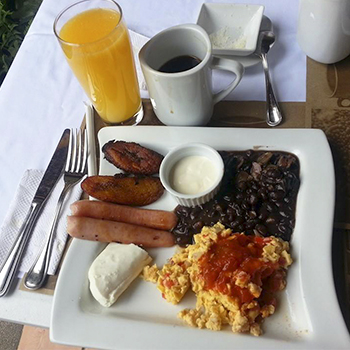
135 191
132 157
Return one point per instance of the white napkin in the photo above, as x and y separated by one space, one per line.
17 212
137 41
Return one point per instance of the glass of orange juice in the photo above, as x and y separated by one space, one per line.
96 43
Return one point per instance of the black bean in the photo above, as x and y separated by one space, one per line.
287 199
273 172
245 206
270 220
239 196
184 211
282 228
198 226
196 210
235 223
283 221
270 188
254 186
193 215
242 185
263 214
246 167
211 213
183 240
239 219
252 214
262 193
253 198
230 211
239 211
218 208
284 213
270 207
227 198
249 153
281 187
279 204
261 229
288 233
248 225
276 195
240 228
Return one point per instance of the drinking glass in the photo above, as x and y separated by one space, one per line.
96 43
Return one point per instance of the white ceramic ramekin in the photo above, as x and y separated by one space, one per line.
234 27
180 152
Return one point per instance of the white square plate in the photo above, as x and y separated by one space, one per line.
308 315
233 28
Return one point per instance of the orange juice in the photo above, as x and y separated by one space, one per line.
97 46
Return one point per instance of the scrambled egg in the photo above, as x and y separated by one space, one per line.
233 276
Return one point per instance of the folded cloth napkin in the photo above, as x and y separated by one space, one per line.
17 213
137 41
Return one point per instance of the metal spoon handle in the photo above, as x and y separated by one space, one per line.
273 112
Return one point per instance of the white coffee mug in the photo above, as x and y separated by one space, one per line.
324 29
184 98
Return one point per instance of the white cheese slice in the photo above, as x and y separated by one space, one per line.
114 269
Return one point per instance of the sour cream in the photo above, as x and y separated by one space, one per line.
193 174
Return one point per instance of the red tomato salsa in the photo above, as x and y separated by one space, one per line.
233 262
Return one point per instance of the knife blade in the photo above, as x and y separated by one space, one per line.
52 174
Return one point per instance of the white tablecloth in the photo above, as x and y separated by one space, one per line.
40 97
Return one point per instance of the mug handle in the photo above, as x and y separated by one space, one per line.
229 65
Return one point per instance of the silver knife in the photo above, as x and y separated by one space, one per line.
48 182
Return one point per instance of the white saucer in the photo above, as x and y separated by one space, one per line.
251 60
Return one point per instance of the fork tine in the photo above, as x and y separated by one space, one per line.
74 151
69 154
79 150
85 152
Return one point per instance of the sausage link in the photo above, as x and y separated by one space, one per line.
112 231
158 219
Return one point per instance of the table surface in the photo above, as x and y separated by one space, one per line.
40 98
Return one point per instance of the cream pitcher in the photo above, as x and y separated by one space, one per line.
324 29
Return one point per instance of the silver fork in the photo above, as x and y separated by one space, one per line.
74 171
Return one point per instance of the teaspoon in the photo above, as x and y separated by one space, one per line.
273 112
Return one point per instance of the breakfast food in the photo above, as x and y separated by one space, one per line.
132 157
222 39
158 219
193 174
114 269
122 189
234 276
112 231
258 197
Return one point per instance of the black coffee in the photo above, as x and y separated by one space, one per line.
180 64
